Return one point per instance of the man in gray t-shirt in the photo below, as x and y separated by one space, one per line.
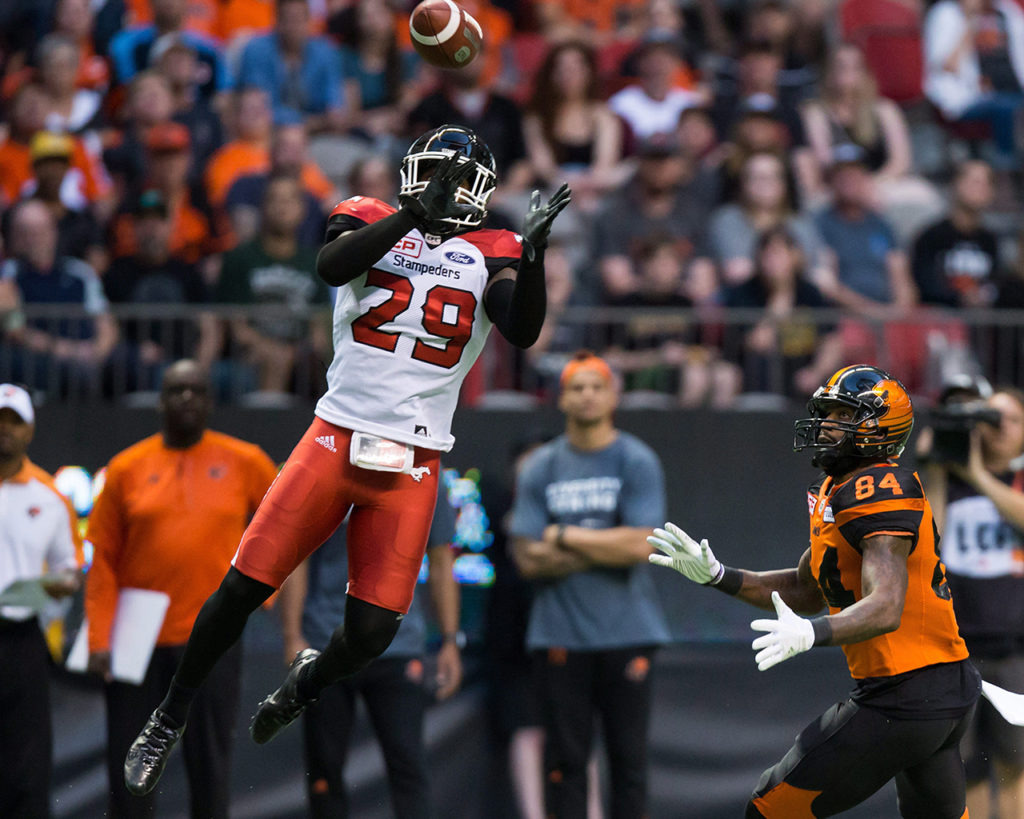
584 505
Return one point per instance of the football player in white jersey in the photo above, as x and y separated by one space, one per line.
419 288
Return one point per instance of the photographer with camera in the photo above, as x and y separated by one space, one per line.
975 481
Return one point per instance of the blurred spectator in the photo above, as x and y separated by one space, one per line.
301 73
871 275
381 80
699 145
974 67
571 134
652 105
249 152
73 19
78 233
767 199
275 269
757 79
759 126
463 97
175 59
956 260
596 23
148 103
130 49
667 352
85 185
195 235
153 276
58 354
659 201
849 110
783 352
72 109
288 157
794 29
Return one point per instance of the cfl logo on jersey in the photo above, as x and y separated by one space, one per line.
409 246
457 257
827 515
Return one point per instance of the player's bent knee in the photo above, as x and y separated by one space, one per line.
369 629
243 591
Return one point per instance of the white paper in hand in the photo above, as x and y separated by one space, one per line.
137 622
1008 704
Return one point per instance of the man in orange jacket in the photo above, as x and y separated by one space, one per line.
170 516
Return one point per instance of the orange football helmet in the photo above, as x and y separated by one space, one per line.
883 415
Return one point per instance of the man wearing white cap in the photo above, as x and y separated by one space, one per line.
39 540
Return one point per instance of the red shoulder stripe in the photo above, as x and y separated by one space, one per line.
364 208
496 244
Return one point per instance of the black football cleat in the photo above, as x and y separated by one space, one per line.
283 707
149 753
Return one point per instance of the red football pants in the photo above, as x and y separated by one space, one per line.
316 488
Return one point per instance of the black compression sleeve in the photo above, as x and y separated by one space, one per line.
517 309
352 254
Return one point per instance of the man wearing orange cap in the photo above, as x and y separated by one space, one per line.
585 503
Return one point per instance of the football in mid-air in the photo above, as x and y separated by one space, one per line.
445 35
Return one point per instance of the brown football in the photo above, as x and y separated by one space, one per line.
444 34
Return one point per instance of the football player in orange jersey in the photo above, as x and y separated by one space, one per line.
419 288
873 560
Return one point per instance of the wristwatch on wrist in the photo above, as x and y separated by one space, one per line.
457 637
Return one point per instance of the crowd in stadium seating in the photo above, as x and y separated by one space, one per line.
764 155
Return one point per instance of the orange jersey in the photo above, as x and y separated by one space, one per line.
229 163
170 520
884 498
90 177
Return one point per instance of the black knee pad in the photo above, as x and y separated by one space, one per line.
242 592
368 629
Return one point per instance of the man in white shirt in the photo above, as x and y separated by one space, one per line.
39 540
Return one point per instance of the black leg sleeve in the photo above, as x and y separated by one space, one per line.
220 623
366 633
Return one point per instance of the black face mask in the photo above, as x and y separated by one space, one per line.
836 462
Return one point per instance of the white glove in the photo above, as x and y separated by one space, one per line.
788 636
685 555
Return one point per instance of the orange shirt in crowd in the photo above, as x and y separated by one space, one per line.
245 15
170 520
600 15
202 16
238 159
192 235
16 172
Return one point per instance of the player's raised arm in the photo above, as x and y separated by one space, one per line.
517 301
353 252
697 562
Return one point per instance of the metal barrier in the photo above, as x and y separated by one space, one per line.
668 357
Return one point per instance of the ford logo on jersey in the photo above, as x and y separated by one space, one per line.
458 257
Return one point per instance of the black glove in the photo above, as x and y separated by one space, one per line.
437 201
537 222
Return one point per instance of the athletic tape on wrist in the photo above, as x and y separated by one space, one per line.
728 580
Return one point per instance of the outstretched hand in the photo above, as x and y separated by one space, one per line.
786 637
682 553
437 200
538 219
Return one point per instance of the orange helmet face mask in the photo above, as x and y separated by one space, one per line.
883 417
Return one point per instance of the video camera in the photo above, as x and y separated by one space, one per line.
951 427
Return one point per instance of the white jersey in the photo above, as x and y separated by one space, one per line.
408 330
38 532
